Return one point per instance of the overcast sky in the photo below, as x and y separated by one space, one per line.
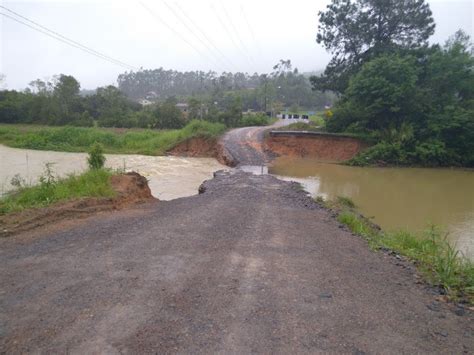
250 36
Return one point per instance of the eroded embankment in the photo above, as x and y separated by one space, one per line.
320 146
204 148
131 188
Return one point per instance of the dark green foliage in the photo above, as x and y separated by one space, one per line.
168 115
96 158
355 31
419 104
254 120
210 97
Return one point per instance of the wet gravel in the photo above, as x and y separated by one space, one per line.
251 265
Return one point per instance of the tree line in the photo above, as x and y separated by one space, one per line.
222 99
59 102
284 86
415 100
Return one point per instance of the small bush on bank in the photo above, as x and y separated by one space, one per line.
96 159
254 120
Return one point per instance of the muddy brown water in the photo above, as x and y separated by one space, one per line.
169 177
396 198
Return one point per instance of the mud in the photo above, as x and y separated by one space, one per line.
204 147
324 148
131 189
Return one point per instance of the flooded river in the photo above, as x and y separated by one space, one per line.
408 198
169 177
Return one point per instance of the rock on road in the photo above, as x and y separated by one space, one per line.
252 265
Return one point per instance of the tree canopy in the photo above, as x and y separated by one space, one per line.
355 31
419 105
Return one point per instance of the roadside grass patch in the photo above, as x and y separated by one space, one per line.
346 201
435 257
299 126
93 183
80 139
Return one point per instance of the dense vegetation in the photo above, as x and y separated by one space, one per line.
415 100
150 98
283 87
435 257
81 139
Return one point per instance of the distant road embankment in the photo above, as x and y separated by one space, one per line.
318 145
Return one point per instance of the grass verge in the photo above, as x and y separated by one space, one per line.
76 139
441 264
300 126
93 183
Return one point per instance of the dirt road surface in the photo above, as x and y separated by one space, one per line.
246 144
252 265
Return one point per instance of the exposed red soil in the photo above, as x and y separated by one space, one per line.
203 147
131 188
196 147
320 147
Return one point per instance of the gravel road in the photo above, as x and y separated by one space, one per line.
245 144
252 265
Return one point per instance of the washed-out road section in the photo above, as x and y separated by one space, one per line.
251 265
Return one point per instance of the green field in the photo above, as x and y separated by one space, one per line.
126 141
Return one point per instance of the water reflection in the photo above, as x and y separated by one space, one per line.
395 197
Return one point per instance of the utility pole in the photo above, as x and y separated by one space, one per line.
265 78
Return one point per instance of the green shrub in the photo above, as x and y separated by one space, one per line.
383 152
96 159
254 120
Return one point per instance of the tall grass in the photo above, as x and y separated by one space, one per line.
93 183
436 258
76 139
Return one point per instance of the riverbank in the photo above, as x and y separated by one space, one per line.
256 265
433 255
56 200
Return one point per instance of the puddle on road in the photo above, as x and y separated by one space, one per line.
169 177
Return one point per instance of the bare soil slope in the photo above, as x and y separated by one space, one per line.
328 148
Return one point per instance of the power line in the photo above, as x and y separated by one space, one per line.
190 30
235 31
157 17
252 33
204 35
64 39
228 32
